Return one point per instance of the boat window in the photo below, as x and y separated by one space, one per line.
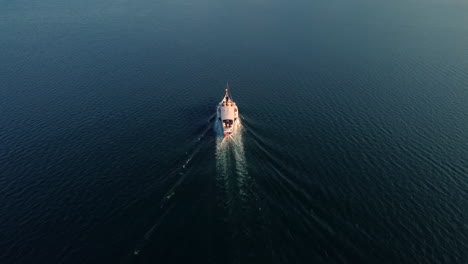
228 122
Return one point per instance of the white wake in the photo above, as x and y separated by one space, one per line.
231 164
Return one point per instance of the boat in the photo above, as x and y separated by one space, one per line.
227 114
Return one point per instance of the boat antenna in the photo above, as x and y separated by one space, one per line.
227 90
227 87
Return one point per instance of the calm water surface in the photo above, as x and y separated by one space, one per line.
353 146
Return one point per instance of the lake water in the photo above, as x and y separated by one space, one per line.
353 145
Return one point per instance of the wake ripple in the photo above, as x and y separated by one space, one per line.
237 194
177 176
231 164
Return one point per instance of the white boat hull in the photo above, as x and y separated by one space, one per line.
227 114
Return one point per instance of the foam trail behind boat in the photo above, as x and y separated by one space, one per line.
240 161
232 175
237 194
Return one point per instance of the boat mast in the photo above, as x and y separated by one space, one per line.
227 92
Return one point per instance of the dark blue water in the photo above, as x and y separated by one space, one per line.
353 146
